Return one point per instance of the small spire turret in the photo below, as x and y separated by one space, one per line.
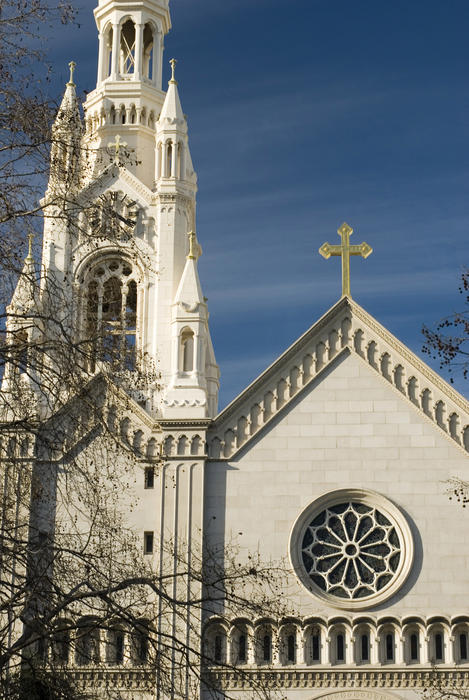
66 138
25 295
173 159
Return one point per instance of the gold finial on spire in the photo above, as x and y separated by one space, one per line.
117 146
72 66
30 246
194 248
345 250
173 80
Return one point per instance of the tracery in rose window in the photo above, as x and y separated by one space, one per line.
351 550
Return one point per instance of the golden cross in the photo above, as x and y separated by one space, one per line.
345 250
117 146
173 62
72 66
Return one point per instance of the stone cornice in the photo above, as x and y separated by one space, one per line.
298 677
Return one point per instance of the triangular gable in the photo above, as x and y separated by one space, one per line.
78 424
116 174
345 328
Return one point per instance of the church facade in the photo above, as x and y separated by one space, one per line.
335 461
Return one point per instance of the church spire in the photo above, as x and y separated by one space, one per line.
25 293
66 138
173 158
193 388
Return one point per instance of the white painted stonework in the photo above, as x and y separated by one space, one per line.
347 414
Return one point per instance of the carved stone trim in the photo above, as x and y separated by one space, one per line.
345 328
310 678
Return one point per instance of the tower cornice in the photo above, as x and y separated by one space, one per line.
158 7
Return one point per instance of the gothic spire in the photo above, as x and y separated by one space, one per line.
66 137
68 116
25 293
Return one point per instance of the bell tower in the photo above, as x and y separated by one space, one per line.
128 97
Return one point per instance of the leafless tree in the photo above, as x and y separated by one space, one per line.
72 569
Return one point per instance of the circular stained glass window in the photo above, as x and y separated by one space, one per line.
352 548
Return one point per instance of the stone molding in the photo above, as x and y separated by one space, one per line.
346 328
311 678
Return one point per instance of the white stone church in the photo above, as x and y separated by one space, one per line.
335 460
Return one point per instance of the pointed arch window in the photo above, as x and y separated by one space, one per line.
111 311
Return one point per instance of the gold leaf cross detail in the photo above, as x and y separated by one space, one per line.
345 250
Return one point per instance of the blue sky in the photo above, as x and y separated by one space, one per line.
303 114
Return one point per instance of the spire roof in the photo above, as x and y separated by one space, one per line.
189 290
69 112
172 108
25 291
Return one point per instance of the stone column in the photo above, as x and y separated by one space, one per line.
174 155
115 51
101 54
138 72
164 170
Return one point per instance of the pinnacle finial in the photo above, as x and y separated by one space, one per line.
72 66
194 248
30 246
173 80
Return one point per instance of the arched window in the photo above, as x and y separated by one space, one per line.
116 646
462 639
61 646
111 314
148 51
218 647
316 645
389 646
414 646
340 647
87 645
187 350
127 48
142 649
291 649
108 52
365 647
266 648
242 648
439 647
169 159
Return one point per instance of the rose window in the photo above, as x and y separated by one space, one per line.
352 548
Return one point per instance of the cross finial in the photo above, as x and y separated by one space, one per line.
72 66
345 250
173 62
117 146
194 247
